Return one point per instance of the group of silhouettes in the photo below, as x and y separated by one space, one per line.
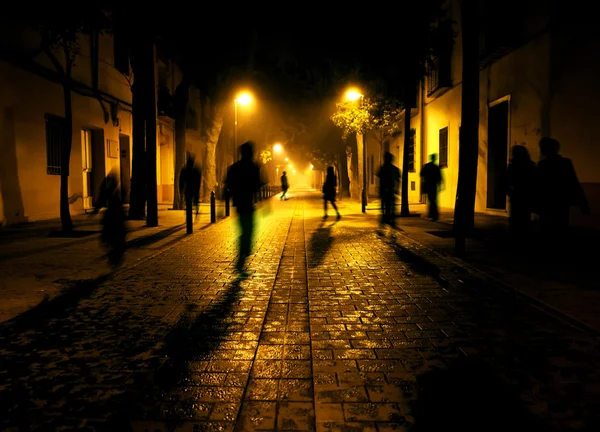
549 189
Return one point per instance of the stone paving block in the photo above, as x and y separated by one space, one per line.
298 416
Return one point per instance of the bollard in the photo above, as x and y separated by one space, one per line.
226 197
213 208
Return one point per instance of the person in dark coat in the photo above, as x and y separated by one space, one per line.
389 184
520 176
114 229
284 185
329 192
243 182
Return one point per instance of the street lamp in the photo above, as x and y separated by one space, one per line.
354 95
277 148
242 99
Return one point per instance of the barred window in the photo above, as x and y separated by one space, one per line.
55 139
443 160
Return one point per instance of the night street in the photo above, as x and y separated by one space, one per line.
337 326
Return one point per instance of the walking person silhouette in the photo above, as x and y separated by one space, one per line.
389 183
114 230
329 192
243 182
284 185
432 179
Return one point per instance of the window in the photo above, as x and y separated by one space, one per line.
411 151
439 74
443 159
55 139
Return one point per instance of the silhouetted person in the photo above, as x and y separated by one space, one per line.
243 182
329 192
557 189
189 185
432 179
520 177
389 184
114 230
284 185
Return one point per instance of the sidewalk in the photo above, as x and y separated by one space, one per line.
37 266
567 286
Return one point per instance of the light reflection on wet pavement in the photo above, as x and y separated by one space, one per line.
336 328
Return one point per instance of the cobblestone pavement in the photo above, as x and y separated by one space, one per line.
338 326
40 266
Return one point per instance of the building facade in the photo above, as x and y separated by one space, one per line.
539 65
32 109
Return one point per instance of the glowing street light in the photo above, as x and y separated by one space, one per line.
294 171
277 148
287 159
312 167
353 95
290 166
242 99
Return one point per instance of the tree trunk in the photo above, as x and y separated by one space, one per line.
464 210
212 139
150 111
181 100
137 201
65 214
350 171
360 146
404 209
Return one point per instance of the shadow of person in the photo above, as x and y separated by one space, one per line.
469 396
194 336
320 243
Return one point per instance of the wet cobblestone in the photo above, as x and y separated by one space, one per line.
337 327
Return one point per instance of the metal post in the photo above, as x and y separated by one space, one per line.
213 207
235 116
364 188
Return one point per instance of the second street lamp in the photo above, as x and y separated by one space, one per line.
354 95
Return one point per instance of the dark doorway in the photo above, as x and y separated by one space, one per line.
125 168
497 156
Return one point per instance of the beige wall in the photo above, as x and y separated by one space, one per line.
27 192
40 191
551 86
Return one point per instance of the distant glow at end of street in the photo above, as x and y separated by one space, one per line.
312 167
294 171
277 148
353 95
244 99
287 159
290 166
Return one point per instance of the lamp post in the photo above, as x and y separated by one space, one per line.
277 148
242 99
354 95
